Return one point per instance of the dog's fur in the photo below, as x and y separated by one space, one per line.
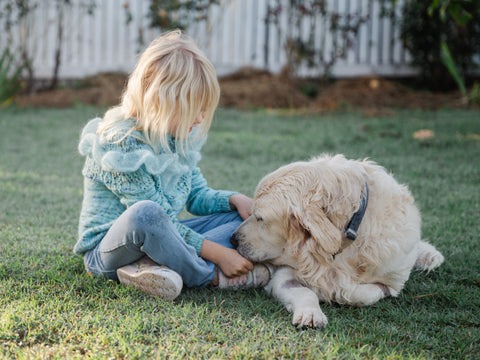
298 218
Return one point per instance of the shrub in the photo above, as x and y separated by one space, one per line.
10 74
424 27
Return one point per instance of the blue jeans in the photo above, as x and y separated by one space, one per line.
144 229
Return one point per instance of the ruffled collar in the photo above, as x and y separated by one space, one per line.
119 159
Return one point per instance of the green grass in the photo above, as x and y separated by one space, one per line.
49 307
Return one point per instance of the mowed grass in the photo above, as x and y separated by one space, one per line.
50 308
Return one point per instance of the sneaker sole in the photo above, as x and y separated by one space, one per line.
152 282
260 276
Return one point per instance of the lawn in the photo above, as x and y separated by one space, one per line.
50 308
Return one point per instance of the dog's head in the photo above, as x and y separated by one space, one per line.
291 217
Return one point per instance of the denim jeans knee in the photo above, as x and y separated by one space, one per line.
145 215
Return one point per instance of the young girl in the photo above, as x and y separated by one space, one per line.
141 171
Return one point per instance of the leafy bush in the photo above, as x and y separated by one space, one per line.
163 14
425 25
10 74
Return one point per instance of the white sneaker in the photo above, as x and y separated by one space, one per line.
151 278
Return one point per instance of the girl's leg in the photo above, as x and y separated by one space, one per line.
145 229
216 227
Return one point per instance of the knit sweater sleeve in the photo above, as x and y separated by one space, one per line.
204 200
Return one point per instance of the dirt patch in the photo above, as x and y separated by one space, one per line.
248 89
371 93
99 90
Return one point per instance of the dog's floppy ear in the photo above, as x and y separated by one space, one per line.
314 223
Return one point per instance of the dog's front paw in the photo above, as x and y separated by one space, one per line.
309 317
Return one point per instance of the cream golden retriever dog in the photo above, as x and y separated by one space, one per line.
338 230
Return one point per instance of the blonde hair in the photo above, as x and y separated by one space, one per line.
172 84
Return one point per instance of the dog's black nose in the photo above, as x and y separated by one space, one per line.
234 240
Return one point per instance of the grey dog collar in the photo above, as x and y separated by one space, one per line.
356 220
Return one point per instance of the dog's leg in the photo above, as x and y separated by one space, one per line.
428 257
298 299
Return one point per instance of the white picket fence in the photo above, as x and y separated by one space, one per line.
235 36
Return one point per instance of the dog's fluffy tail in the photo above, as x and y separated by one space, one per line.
428 257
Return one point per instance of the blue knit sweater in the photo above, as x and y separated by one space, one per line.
119 174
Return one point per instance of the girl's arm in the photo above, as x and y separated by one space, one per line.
203 200
228 260
243 204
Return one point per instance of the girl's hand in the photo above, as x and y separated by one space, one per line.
228 260
233 264
242 203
